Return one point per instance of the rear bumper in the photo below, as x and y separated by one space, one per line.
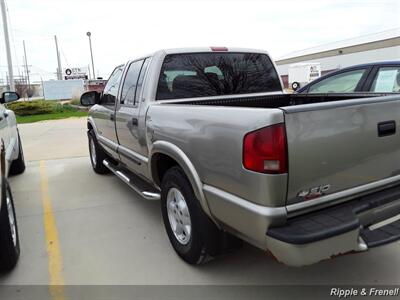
243 218
356 225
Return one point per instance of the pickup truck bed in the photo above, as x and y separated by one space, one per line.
324 122
277 100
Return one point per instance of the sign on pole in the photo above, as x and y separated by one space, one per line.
75 73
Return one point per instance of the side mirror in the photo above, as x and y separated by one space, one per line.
7 97
90 98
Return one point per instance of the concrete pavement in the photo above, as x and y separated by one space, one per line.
110 236
54 139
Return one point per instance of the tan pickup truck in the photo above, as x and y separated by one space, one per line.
210 132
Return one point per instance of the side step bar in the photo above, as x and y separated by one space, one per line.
135 182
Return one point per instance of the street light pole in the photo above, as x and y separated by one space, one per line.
89 34
7 42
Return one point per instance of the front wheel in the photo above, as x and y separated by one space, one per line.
9 238
192 234
97 154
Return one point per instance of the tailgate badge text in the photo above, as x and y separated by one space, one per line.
314 192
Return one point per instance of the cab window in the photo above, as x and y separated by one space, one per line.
141 80
130 83
192 75
111 89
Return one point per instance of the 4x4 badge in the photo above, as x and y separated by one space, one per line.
314 192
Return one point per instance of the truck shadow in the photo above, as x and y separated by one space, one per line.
251 265
138 241
377 266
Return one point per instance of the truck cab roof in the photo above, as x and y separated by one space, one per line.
210 49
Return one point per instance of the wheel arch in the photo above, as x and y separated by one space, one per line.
165 155
91 125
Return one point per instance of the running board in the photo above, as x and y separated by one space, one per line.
135 182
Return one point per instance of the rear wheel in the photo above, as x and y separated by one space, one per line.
9 238
194 237
18 165
97 154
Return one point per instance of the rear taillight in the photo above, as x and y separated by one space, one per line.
265 150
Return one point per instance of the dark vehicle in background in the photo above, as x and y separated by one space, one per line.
382 77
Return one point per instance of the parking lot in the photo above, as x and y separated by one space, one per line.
80 228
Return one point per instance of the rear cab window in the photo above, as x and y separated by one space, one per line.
133 83
194 75
130 83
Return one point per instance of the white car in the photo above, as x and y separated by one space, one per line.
11 162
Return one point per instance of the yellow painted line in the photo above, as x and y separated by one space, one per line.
55 267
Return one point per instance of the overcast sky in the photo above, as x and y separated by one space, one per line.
123 29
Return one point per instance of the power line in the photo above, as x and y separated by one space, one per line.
37 36
63 54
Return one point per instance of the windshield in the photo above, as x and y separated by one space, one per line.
212 74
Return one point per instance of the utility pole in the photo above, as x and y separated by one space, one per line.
59 70
27 72
7 42
89 34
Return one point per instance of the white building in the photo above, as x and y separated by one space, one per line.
382 46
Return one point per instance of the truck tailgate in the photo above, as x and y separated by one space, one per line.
341 145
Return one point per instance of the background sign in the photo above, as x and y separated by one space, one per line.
63 89
75 73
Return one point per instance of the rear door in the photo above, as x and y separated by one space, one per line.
104 113
131 149
337 146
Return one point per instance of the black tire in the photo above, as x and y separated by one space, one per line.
18 165
205 239
9 250
97 154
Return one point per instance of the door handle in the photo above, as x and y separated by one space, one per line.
112 117
386 128
135 121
